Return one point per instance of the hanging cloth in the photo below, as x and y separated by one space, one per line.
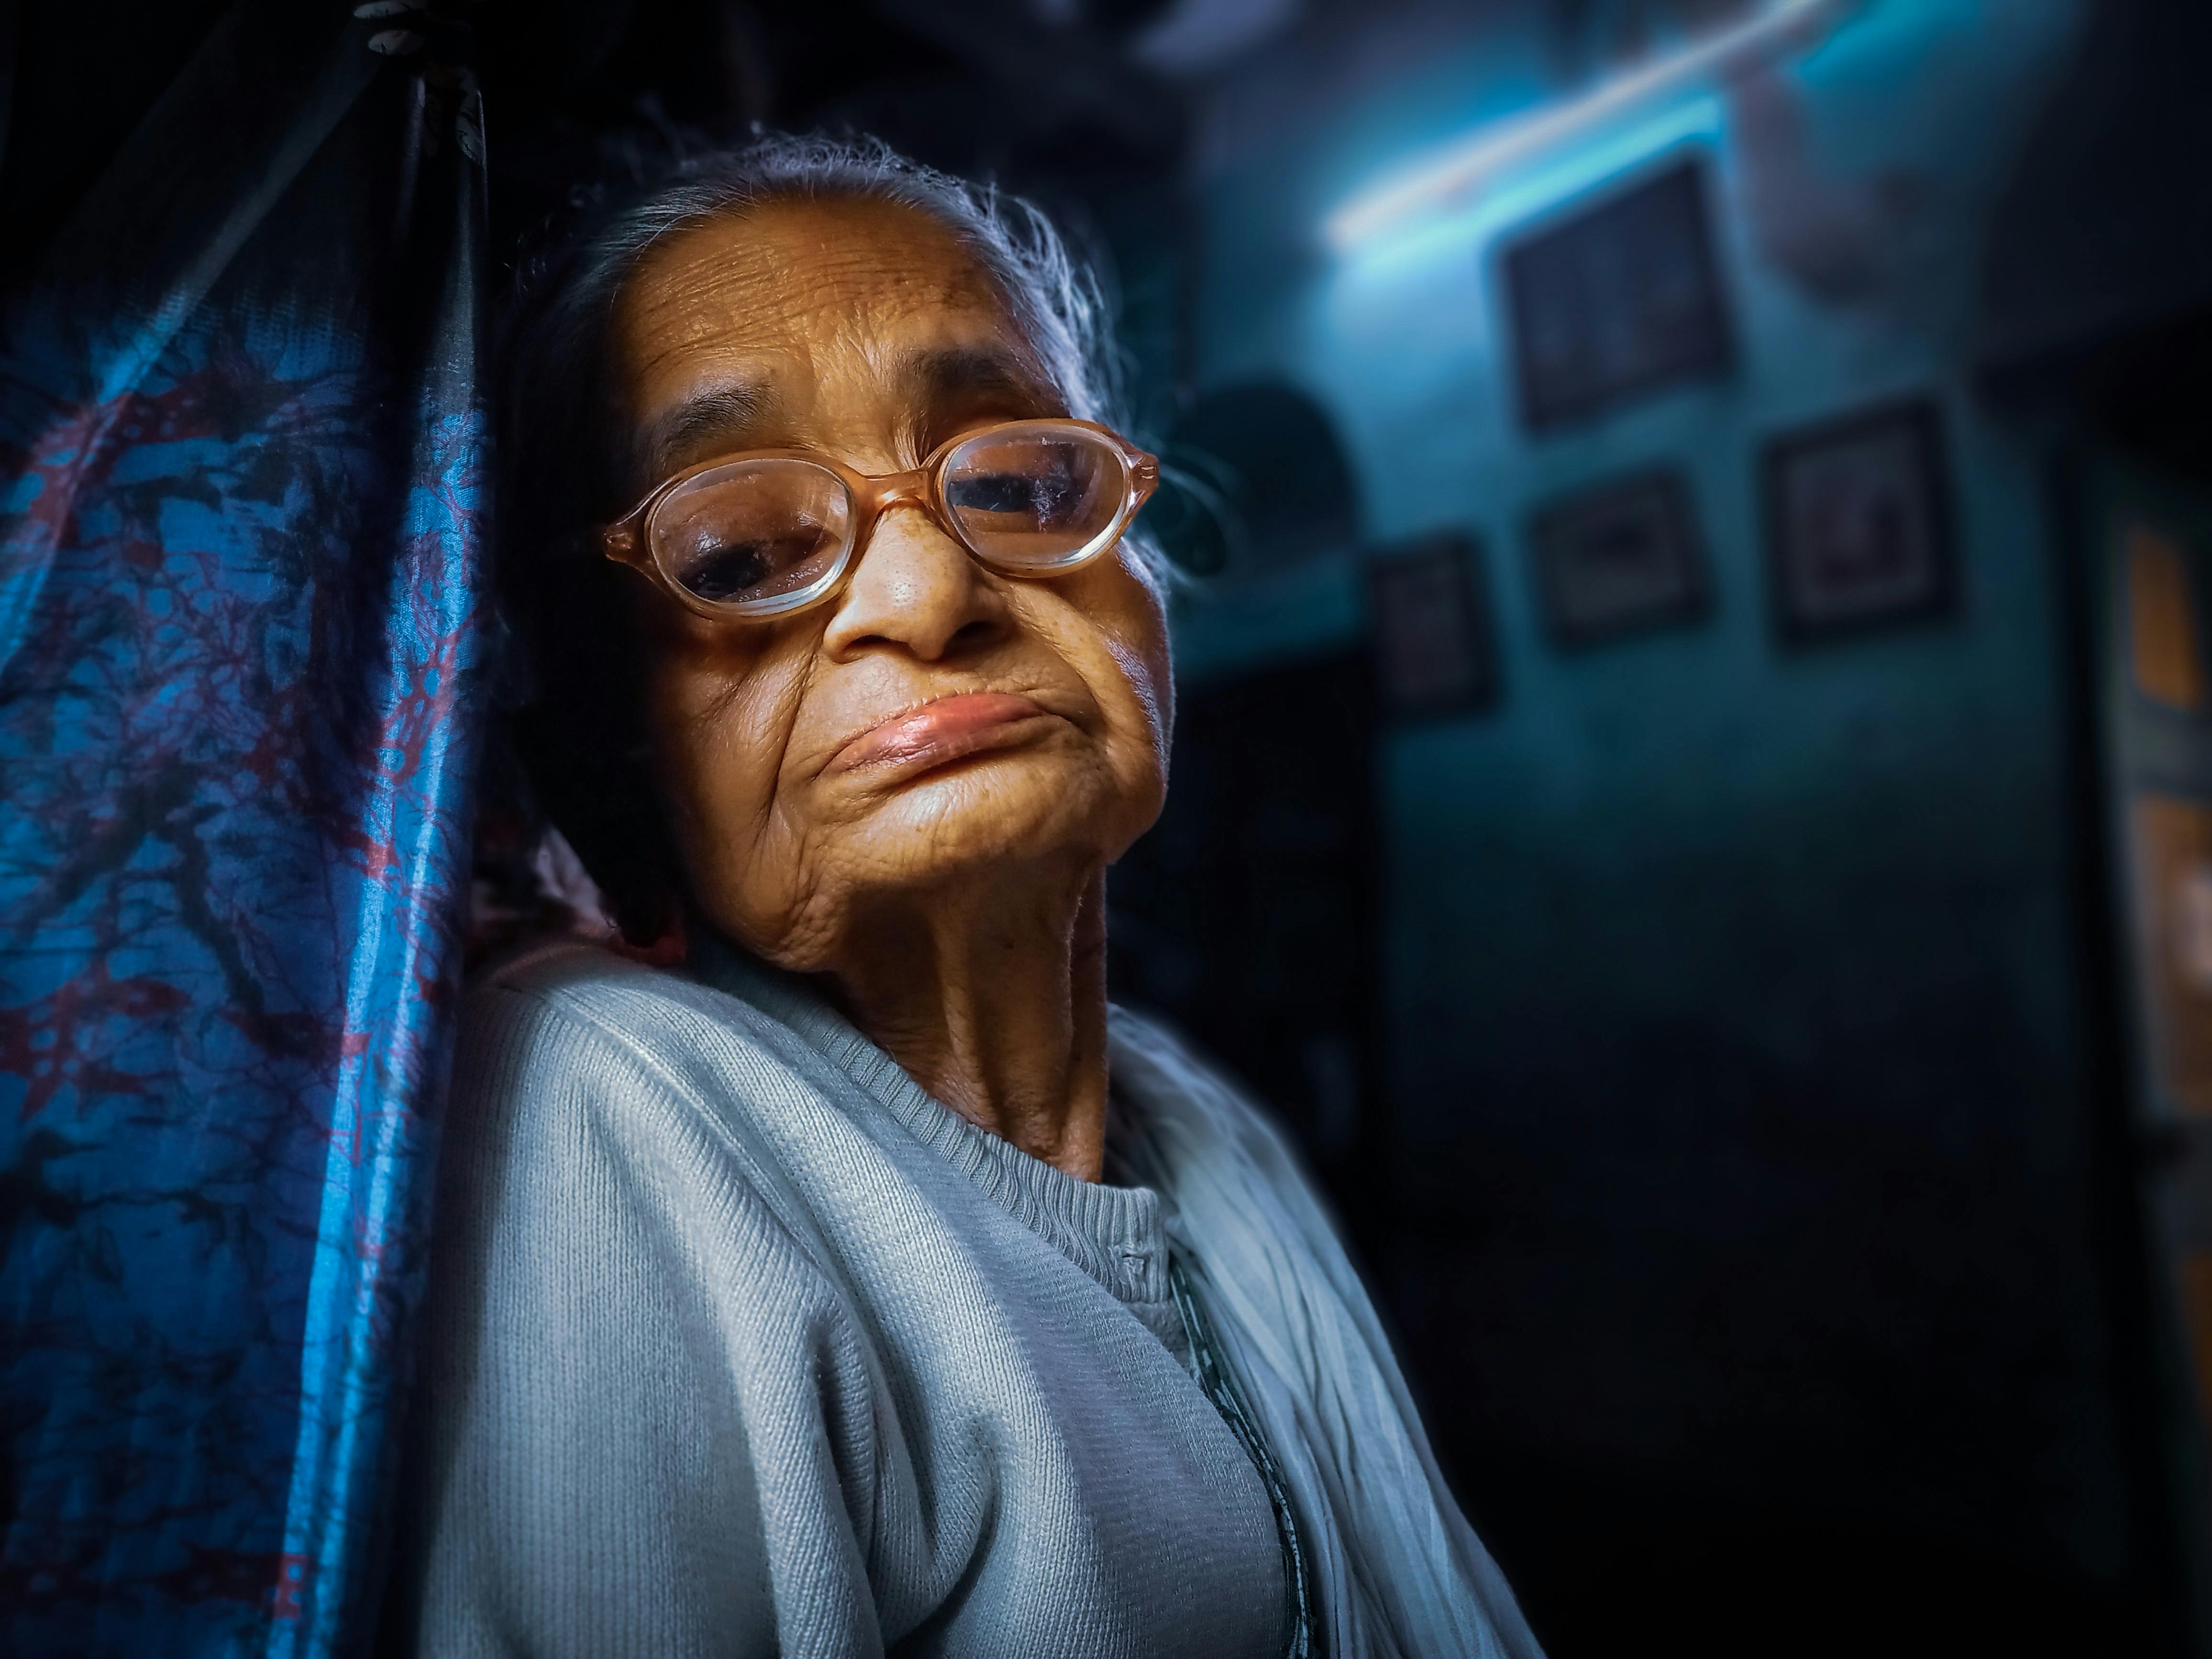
242 475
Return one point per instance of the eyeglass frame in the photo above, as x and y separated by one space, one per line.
628 540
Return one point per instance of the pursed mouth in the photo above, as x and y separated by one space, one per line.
943 729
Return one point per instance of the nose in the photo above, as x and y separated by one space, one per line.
915 589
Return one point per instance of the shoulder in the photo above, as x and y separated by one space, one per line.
633 1329
571 1058
580 1015
574 988
614 1125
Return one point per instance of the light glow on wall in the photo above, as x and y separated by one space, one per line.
1457 236
1452 178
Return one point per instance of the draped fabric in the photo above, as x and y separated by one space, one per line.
1399 1573
242 473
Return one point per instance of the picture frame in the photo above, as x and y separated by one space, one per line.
1622 559
1436 640
1618 300
1860 535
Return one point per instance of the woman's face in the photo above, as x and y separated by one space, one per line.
937 733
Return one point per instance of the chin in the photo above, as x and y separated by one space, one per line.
965 818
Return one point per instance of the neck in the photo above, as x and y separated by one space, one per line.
995 1003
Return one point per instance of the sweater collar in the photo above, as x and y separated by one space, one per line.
1113 1233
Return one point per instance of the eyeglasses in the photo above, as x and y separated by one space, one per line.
771 531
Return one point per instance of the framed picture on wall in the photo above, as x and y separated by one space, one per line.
1435 647
1858 524
1620 299
1617 560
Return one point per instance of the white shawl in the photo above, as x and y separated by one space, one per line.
1399 1572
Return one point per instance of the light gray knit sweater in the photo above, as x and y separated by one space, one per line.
739 1343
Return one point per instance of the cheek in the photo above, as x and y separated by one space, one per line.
1131 619
721 728
1151 691
1109 627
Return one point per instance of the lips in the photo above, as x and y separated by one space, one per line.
947 729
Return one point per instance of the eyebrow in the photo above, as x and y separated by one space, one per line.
718 416
950 373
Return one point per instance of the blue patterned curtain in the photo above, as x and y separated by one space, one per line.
242 486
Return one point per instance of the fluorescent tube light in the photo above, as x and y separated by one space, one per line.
1454 175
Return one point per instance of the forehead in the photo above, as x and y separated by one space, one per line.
801 289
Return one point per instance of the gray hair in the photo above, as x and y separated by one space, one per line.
565 469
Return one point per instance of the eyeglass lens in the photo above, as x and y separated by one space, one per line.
751 532
1033 499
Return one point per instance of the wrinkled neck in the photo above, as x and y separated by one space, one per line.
994 1001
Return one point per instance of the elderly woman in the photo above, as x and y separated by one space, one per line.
866 1283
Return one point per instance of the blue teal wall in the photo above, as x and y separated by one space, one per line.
1735 1070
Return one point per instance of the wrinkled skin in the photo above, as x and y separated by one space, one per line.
941 870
